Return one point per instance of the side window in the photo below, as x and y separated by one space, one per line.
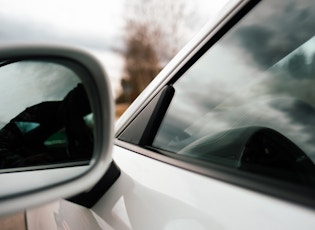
249 102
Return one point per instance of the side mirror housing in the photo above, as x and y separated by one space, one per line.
56 124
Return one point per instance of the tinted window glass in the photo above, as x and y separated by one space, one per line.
249 102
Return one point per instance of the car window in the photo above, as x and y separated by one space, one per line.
249 102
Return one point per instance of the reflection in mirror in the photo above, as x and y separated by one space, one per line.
46 118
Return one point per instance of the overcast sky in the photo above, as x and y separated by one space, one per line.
26 78
94 24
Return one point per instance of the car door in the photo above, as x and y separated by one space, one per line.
223 138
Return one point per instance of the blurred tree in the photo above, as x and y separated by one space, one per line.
153 35
141 61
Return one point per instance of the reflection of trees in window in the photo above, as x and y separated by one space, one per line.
297 65
300 65
294 77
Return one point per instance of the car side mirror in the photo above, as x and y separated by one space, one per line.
56 124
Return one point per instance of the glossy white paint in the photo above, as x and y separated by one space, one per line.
37 179
64 215
153 195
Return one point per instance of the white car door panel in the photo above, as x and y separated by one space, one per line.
65 215
153 195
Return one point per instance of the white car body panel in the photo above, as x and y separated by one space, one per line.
65 215
153 195
37 179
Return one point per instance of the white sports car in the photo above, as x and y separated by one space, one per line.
223 138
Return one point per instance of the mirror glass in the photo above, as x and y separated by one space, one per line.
45 116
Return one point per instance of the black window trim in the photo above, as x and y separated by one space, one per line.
143 129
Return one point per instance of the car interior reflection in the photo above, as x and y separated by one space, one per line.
49 132
257 150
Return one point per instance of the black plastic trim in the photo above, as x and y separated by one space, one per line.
144 127
157 116
90 198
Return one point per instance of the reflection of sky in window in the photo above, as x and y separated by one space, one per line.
308 48
230 86
27 83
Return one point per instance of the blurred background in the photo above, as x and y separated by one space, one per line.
134 39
